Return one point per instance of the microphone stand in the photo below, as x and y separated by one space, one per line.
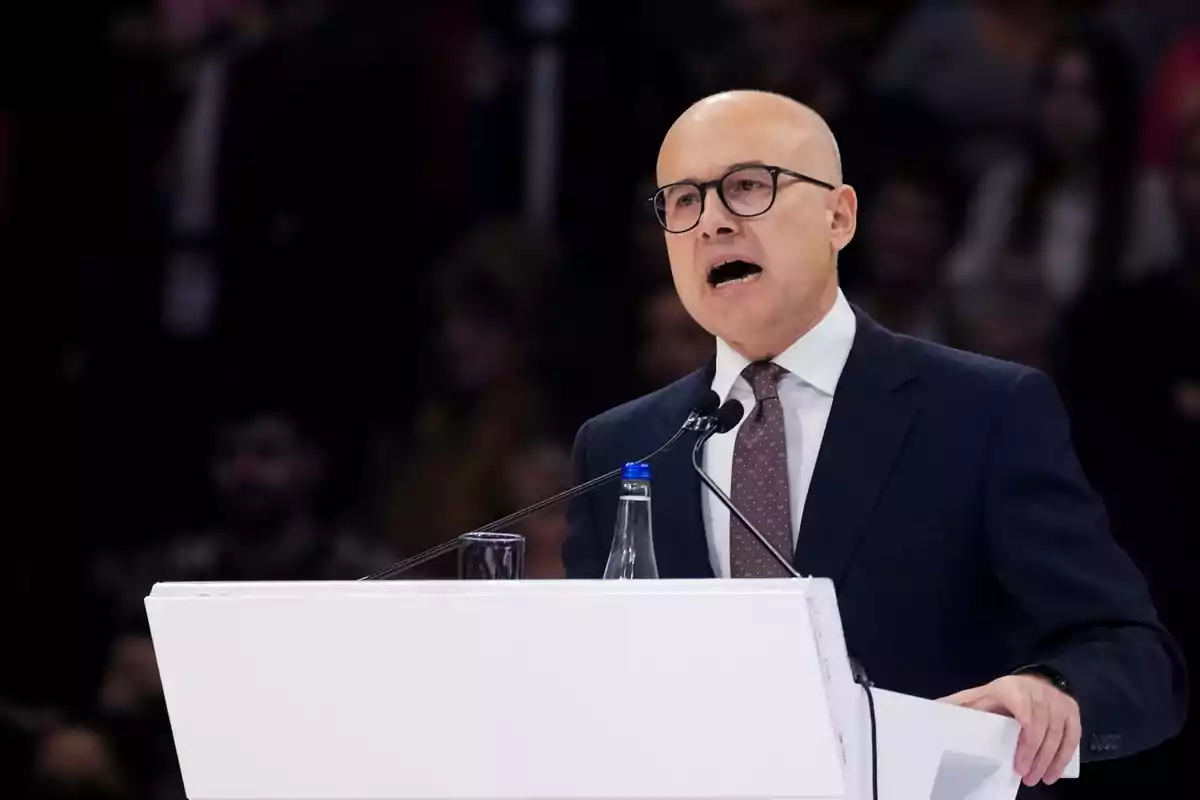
722 425
725 501
694 422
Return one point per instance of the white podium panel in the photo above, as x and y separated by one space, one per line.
555 689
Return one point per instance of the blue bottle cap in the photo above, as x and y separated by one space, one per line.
636 471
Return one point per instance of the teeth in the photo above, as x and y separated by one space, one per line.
743 279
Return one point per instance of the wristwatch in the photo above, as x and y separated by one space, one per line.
1049 673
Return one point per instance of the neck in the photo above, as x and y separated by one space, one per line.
776 341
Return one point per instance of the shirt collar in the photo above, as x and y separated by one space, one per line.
817 357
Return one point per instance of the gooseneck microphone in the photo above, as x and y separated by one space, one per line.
726 419
704 417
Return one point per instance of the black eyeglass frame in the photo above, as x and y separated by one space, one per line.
704 186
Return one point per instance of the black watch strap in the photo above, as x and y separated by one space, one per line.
1049 673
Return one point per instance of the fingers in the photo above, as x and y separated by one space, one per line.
1072 733
964 698
1049 720
980 698
1035 721
1049 747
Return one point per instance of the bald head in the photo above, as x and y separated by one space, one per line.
753 119
755 212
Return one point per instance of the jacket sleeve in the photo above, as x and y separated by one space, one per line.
1079 603
583 556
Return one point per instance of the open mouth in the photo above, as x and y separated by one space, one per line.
732 272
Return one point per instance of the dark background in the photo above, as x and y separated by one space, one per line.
303 287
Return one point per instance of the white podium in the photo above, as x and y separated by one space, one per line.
449 690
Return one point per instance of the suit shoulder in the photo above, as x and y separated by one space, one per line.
970 372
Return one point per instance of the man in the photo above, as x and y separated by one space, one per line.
937 489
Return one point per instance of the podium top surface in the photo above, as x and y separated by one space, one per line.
252 589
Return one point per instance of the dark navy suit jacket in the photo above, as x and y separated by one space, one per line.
948 507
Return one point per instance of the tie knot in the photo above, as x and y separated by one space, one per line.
763 377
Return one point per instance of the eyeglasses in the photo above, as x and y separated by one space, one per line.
745 191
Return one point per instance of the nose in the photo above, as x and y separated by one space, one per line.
716 221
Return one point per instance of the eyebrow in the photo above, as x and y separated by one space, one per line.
729 168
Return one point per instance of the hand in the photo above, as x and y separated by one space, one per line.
1050 726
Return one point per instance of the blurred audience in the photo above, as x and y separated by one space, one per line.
267 475
74 763
1173 98
486 397
1007 316
131 713
973 62
673 344
1146 28
1139 436
536 471
786 46
814 51
1130 373
896 272
1071 210
328 189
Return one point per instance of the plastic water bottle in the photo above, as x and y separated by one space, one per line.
632 553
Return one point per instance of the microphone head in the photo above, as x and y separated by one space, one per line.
729 415
707 404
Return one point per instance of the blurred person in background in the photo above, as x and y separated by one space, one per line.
1130 367
973 63
649 262
672 344
896 273
813 51
131 713
268 473
76 763
1072 209
1148 28
787 45
1007 316
487 396
536 471
1173 99
120 748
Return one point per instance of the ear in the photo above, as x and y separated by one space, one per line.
843 218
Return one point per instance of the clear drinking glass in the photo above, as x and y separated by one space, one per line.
491 556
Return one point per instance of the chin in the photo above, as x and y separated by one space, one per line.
739 320
742 337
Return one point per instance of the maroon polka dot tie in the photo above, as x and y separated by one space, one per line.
760 480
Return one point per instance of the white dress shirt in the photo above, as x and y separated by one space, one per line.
814 364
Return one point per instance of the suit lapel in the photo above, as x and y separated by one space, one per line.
872 410
680 543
